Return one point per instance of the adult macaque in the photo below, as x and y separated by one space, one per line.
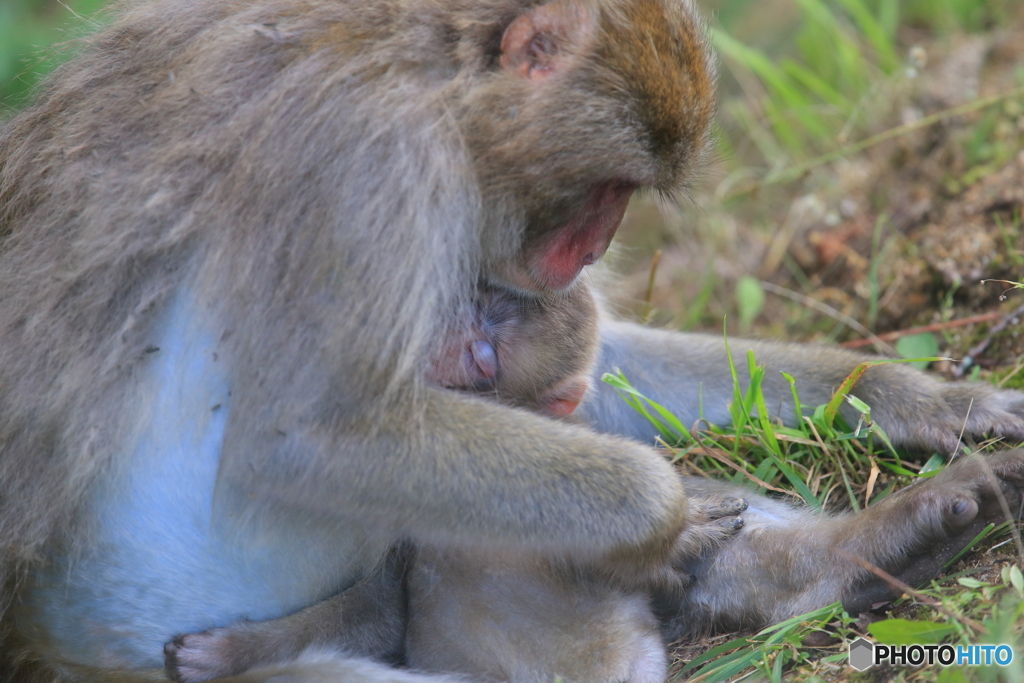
236 237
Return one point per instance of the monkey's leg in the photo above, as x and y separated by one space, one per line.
498 617
367 620
788 560
689 373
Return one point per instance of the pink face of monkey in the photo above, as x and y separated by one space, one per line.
534 353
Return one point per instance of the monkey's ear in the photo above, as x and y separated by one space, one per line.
542 41
565 397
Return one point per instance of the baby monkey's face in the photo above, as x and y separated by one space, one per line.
530 352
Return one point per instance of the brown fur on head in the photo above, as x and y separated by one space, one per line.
617 91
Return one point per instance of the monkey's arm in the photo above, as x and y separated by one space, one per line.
786 561
453 470
689 374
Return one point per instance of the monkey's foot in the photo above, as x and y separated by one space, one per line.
196 657
988 411
936 419
917 531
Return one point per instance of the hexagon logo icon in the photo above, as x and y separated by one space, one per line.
862 654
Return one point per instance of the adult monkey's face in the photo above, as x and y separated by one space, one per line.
584 107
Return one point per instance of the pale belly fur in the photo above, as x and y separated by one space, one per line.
166 557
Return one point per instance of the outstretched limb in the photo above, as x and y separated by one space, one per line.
367 620
689 374
787 560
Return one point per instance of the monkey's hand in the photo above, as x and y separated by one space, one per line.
714 519
915 532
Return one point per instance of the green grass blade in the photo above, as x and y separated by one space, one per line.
876 35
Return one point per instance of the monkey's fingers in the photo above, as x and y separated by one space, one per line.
712 521
716 508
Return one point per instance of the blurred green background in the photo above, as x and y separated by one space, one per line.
28 30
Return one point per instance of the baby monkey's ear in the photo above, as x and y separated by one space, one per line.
564 397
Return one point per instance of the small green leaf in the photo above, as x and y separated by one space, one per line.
768 433
1017 580
971 583
897 469
671 429
749 300
906 632
797 408
832 407
918 346
933 466
859 405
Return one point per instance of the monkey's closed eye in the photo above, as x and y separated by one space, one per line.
485 360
